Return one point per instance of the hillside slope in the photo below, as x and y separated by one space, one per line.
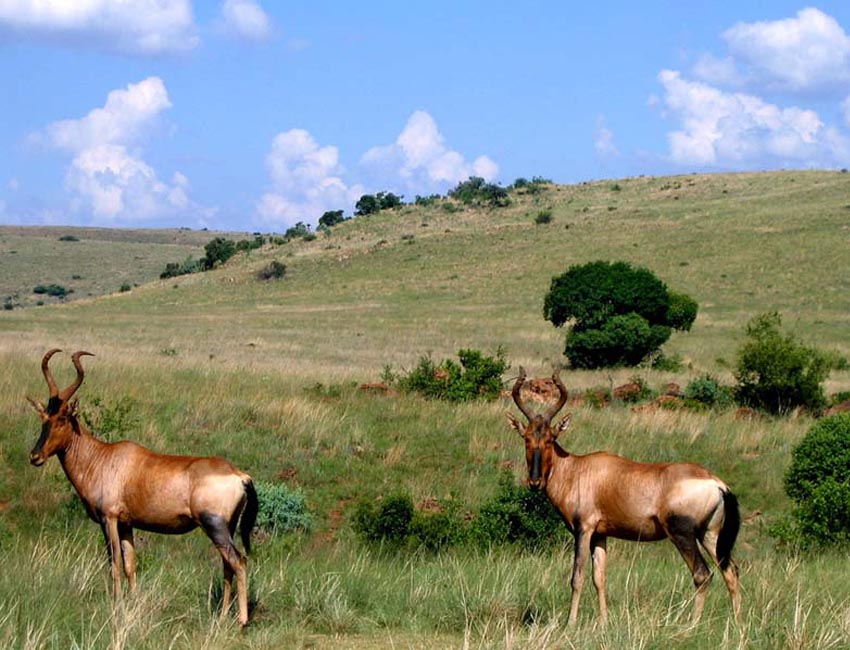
387 288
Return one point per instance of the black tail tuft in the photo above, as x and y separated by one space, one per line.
729 531
249 515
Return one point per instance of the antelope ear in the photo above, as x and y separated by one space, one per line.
38 406
73 415
563 424
514 423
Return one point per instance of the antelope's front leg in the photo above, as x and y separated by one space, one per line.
582 554
113 542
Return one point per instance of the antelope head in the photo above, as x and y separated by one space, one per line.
59 418
539 434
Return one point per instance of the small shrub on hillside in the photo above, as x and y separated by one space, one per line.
55 290
218 251
69 238
282 510
331 218
476 191
818 481
385 522
543 217
112 421
776 373
274 270
124 288
707 390
681 312
427 201
174 269
668 362
517 515
444 528
477 376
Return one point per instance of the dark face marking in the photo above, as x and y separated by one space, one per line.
539 442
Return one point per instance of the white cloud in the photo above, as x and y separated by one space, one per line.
245 19
808 53
603 140
420 161
723 72
145 27
742 130
107 174
128 112
305 179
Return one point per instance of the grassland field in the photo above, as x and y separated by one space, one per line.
266 374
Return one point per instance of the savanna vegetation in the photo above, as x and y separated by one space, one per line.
268 374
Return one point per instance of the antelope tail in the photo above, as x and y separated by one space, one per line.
729 530
249 515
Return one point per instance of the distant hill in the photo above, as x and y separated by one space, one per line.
89 261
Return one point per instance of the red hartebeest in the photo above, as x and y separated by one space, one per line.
125 486
601 495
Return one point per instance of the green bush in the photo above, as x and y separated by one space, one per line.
681 312
274 270
477 376
776 373
385 522
299 230
476 191
55 290
218 251
517 515
174 269
281 510
112 421
435 531
708 391
331 218
818 481
619 314
543 217
623 340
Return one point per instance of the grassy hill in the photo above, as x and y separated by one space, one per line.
262 372
88 261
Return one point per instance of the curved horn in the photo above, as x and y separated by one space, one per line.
48 376
516 394
552 412
66 394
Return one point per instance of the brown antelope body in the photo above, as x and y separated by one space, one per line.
125 486
601 495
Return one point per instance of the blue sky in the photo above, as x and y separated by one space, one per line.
254 115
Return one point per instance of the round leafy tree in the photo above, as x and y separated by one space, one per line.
818 481
620 314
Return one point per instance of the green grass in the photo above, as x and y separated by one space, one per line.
221 364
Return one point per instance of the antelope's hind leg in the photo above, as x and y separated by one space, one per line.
729 573
682 531
599 556
233 562
128 554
